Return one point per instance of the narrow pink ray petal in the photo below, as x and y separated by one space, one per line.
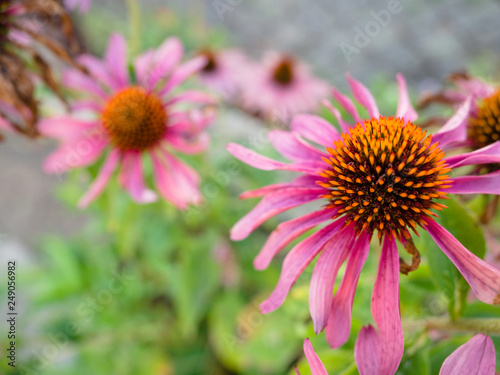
363 96
483 184
313 360
98 70
271 205
301 181
102 179
292 147
132 179
176 181
191 147
65 127
296 261
344 126
385 308
367 351
116 60
332 256
475 357
182 73
315 129
347 104
286 232
485 155
191 96
261 162
482 277
87 105
405 109
338 326
455 129
76 80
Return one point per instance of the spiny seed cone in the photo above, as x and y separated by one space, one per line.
385 175
134 119
484 128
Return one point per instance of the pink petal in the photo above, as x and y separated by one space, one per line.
296 261
367 351
261 162
475 357
315 129
405 109
86 105
183 72
176 181
484 184
65 128
292 147
301 181
333 254
364 97
344 126
116 60
78 81
98 70
192 96
181 144
385 308
132 179
455 130
485 155
348 105
482 277
338 326
313 360
154 67
102 179
271 205
286 232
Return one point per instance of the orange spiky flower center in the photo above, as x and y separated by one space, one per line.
385 175
284 71
134 119
484 127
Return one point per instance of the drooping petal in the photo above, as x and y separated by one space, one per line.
132 179
483 184
271 205
297 260
177 182
315 364
385 309
367 351
116 60
338 327
315 129
261 162
405 109
483 278
332 256
485 155
292 147
475 357
102 179
364 97
455 129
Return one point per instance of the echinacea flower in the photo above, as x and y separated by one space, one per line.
382 174
480 131
223 71
24 26
280 87
476 356
131 119
83 5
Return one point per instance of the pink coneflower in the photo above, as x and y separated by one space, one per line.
223 71
280 87
476 356
83 5
133 119
383 174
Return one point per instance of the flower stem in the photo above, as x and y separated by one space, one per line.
134 15
488 326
